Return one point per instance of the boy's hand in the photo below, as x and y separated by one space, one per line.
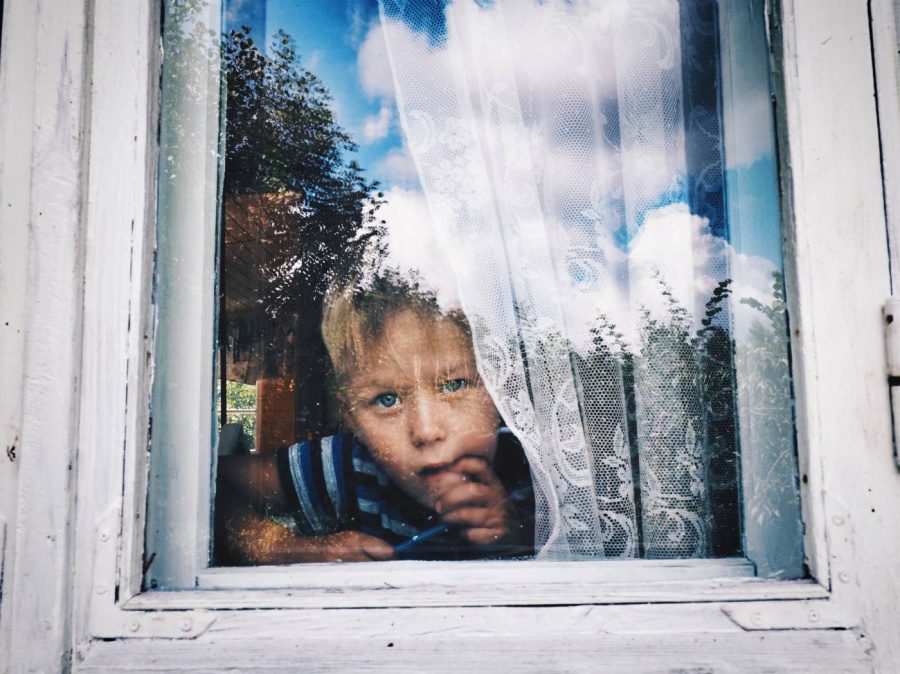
262 541
345 546
477 503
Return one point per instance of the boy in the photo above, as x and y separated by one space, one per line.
424 452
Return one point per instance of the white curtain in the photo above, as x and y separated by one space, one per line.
550 141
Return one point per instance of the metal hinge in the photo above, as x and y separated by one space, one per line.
108 619
892 350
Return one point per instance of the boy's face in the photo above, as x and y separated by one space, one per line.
418 404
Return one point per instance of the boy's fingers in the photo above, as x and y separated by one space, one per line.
375 548
470 517
483 535
478 469
464 493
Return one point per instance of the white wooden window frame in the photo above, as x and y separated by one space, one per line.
476 614
178 516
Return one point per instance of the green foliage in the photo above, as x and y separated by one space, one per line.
281 138
775 312
248 422
240 396
767 385
672 367
714 306
766 351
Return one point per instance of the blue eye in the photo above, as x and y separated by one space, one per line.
386 400
454 385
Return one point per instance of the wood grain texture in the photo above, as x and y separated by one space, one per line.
832 651
16 83
838 279
499 593
40 581
77 395
117 323
886 52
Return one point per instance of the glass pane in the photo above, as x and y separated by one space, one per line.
500 279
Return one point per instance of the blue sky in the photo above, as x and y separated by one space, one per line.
329 34
343 43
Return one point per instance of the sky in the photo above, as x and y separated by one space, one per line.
331 37
343 43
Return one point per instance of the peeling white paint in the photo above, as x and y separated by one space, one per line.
75 260
37 585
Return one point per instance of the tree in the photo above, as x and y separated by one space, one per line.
313 218
281 139
296 209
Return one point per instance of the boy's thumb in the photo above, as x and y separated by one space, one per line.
376 548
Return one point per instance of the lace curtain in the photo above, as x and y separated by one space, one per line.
570 154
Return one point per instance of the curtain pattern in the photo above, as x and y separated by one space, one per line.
570 153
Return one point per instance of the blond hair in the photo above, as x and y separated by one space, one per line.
355 313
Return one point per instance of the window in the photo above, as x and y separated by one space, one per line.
602 217
581 611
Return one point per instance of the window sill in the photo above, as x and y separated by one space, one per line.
424 584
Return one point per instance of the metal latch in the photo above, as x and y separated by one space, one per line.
892 343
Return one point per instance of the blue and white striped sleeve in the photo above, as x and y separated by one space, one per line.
313 477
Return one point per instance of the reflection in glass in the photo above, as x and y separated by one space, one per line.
590 189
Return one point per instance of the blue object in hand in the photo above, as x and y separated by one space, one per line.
421 537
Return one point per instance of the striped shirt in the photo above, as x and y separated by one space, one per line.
334 485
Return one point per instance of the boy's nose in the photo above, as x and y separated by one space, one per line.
426 423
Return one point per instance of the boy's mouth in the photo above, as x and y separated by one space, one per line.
438 476
434 469
439 469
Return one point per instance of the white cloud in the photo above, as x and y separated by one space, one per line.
550 164
413 245
674 247
664 250
541 77
373 64
580 280
376 127
397 166
679 248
